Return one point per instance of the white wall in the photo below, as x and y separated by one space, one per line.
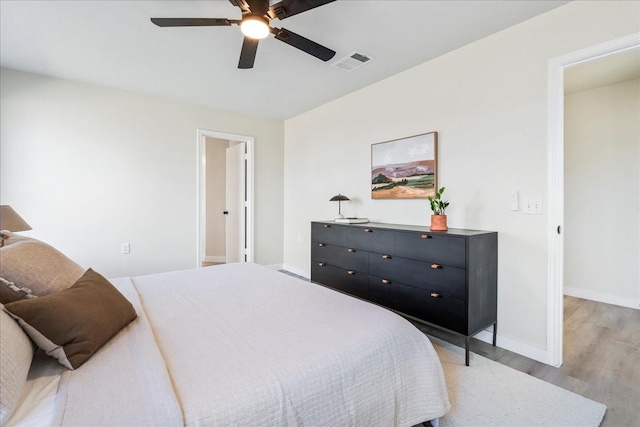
91 168
602 194
488 101
216 166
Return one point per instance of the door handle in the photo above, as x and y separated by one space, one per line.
225 213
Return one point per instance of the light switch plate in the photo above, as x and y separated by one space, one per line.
533 206
513 200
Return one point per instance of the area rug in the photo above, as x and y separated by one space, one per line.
490 394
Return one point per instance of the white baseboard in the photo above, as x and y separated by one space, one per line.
602 297
214 259
515 346
297 271
274 266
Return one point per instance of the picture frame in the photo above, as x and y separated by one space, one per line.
405 168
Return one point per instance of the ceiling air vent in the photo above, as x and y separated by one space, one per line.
352 61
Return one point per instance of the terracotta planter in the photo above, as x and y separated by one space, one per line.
438 223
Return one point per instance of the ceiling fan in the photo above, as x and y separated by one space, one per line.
256 15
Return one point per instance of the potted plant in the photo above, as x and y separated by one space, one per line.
438 206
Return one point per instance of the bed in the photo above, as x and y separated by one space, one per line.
245 345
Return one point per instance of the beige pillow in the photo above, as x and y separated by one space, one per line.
30 263
16 353
71 325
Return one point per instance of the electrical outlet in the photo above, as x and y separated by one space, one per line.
533 206
126 248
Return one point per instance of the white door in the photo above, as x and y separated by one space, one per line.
235 203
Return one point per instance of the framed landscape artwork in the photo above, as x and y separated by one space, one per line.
405 168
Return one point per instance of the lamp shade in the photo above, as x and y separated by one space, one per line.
339 198
10 220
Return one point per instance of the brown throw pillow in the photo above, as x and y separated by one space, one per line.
10 292
36 265
73 324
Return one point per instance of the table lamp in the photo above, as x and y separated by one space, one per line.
11 221
339 198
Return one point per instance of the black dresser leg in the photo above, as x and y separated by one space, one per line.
466 351
495 333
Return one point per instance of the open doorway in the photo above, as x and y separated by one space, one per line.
225 195
602 179
557 201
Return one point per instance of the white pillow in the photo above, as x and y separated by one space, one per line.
16 354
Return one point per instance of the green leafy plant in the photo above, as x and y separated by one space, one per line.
438 206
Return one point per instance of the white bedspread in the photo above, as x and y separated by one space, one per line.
124 384
243 345
248 346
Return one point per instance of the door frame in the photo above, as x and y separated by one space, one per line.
555 148
201 189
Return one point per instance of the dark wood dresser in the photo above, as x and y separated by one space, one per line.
445 279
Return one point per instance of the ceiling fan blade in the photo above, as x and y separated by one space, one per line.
257 7
287 8
248 53
193 22
304 44
242 4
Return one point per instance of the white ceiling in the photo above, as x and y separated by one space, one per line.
113 44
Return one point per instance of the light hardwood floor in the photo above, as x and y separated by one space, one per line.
601 357
209 264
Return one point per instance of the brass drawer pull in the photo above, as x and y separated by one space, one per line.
351 272
425 236
386 256
368 230
327 226
321 244
321 264
351 250
435 295
436 266
385 281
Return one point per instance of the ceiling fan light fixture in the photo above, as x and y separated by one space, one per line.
255 26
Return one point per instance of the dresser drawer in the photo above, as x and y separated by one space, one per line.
329 233
428 276
349 281
372 239
441 310
434 248
347 258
